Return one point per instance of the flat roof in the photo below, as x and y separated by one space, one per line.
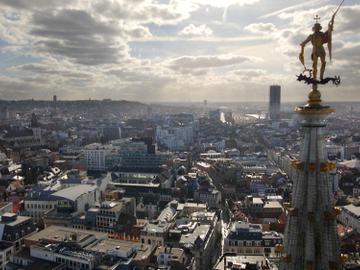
241 261
107 245
135 185
353 209
161 227
200 231
273 204
58 234
257 200
17 221
192 204
177 252
74 192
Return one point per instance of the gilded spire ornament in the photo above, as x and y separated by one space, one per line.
318 38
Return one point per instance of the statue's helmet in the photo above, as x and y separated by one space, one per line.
317 27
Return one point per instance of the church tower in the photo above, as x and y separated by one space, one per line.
311 241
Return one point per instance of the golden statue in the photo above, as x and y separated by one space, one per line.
318 39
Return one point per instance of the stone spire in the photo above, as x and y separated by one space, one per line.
311 241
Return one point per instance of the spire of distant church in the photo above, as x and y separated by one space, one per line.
34 121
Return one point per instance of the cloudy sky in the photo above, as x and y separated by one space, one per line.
170 50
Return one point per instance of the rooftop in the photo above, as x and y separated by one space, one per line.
98 146
242 262
175 252
245 231
60 234
74 192
257 201
272 204
160 227
353 209
16 220
195 205
200 231
108 245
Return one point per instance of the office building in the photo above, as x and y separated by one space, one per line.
95 155
77 198
274 104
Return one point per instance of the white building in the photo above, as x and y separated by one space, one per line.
175 138
218 145
76 198
350 216
95 154
334 150
249 239
72 259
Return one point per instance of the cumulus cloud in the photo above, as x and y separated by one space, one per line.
261 28
76 35
135 49
144 11
192 30
51 68
188 63
34 4
225 3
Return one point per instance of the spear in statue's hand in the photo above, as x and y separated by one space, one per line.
331 28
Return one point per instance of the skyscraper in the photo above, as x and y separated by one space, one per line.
311 241
54 104
274 103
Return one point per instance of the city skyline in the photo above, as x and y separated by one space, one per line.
168 51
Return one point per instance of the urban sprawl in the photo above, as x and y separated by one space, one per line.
124 185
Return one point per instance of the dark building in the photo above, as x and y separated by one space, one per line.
16 228
274 104
111 133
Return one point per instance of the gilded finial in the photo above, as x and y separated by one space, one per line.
318 56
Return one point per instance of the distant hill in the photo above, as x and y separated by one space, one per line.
114 106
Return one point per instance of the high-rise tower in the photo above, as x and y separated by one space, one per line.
274 103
